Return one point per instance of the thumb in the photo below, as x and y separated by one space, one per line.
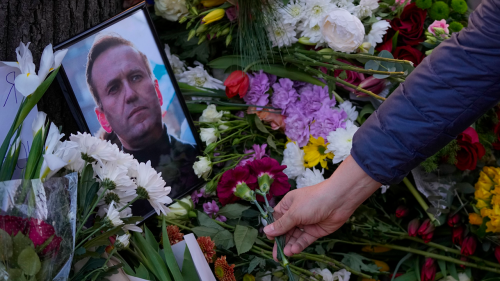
281 226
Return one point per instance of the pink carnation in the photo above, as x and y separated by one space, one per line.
439 23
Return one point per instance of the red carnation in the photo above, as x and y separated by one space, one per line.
410 25
229 180
237 83
280 185
409 53
470 151
39 231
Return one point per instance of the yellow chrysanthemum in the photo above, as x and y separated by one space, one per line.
490 227
482 194
475 219
496 190
490 172
486 212
484 182
495 200
495 221
315 153
482 204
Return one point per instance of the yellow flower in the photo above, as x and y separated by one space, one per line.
248 277
482 204
315 153
496 190
490 227
482 194
475 219
486 212
490 172
375 249
213 16
484 182
495 200
212 3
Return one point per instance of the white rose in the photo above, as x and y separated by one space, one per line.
208 135
202 167
170 9
342 31
210 114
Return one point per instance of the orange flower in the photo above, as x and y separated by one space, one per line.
207 247
475 219
224 271
273 117
174 234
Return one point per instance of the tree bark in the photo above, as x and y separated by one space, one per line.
50 21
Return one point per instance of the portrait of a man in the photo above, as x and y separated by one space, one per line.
124 102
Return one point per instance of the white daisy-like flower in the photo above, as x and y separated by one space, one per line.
94 149
376 34
327 274
202 167
120 199
172 10
177 65
310 177
115 177
122 241
313 33
113 216
346 5
208 135
341 275
199 77
340 142
210 114
292 13
365 8
282 35
352 113
151 186
124 160
293 158
315 11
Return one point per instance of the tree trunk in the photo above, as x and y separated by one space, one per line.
50 21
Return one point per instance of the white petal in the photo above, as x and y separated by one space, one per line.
58 57
46 62
132 227
27 84
53 162
11 63
38 122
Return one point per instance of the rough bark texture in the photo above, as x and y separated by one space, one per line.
50 21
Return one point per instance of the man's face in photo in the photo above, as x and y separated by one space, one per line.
128 96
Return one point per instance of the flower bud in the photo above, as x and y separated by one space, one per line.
181 210
192 33
365 47
431 40
229 38
428 52
183 20
305 41
428 270
213 16
457 235
469 246
202 39
454 220
439 31
413 227
244 192
265 182
212 3
225 31
194 10
371 84
497 253
426 227
202 28
402 211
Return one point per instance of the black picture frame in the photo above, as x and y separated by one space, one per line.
75 108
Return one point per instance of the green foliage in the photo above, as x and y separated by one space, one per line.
357 262
439 10
459 6
188 267
244 238
455 26
29 261
233 211
5 245
424 4
449 152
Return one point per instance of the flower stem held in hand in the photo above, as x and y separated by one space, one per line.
420 200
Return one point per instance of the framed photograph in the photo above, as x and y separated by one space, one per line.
120 87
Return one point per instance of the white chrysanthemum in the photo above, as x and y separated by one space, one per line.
292 13
347 106
376 34
199 77
115 177
346 5
113 216
310 177
282 35
122 241
172 10
178 66
96 149
313 33
293 158
210 114
208 135
202 167
316 10
121 199
342 31
65 154
151 186
340 142
327 274
365 8
341 275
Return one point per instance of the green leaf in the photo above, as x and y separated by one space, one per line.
465 187
417 268
209 148
224 239
6 245
233 211
452 268
260 125
91 196
409 276
29 261
10 162
36 151
188 268
150 238
260 243
356 262
386 54
395 41
366 110
205 220
142 272
161 271
225 62
244 238
256 261
169 254
103 238
442 267
271 142
288 72
468 272
319 249
372 65
205 231
15 274
343 75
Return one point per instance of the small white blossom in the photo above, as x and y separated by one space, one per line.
115 177
346 5
292 13
199 77
340 142
210 114
347 106
310 177
151 186
223 127
342 31
313 33
178 66
327 274
461 277
282 35
315 11
113 216
208 135
376 34
293 158
365 8
95 148
384 188
202 167
341 275
171 10
122 241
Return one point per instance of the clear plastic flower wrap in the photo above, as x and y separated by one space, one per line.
37 228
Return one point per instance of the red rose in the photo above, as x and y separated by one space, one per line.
39 232
470 151
410 25
237 83
387 43
409 53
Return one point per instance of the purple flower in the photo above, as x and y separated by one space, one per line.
327 120
258 153
312 98
196 195
232 13
297 127
299 84
259 85
284 94
221 218
240 114
211 208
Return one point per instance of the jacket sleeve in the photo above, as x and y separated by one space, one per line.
444 95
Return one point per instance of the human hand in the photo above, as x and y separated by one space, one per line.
309 213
